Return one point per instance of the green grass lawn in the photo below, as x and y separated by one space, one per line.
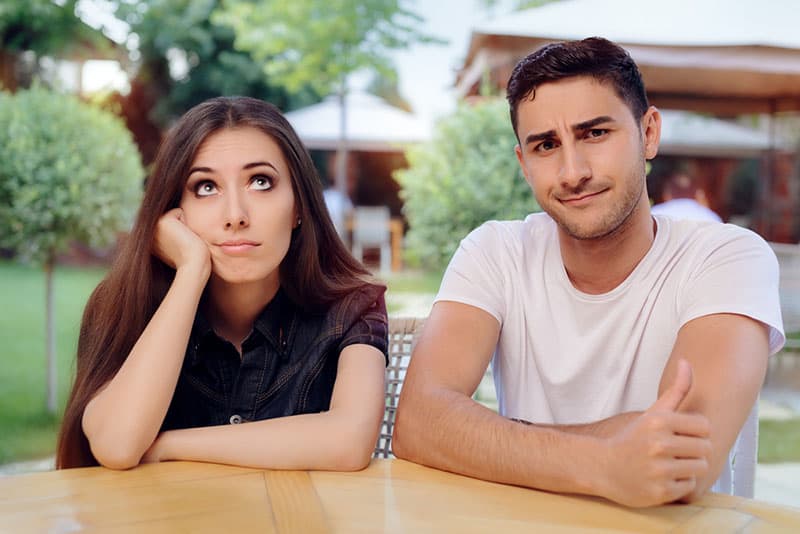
413 282
779 441
26 430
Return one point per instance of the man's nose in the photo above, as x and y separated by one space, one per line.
575 169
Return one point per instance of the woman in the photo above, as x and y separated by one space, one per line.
232 301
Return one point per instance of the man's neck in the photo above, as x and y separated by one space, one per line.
233 308
597 266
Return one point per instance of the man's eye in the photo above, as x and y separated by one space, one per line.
261 182
205 189
597 132
545 146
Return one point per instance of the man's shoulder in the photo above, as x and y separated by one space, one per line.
707 232
533 227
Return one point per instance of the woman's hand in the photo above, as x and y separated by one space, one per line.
179 247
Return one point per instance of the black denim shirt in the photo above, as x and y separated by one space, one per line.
287 366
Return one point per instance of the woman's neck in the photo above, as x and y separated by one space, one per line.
232 308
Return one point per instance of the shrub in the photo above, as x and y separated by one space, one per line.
466 175
68 172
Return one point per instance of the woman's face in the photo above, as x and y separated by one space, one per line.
238 198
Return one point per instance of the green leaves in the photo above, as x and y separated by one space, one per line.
466 175
318 43
68 171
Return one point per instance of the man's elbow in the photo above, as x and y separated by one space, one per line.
402 435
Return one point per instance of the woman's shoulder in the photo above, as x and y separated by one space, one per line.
367 298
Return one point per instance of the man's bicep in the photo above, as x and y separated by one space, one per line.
728 354
455 347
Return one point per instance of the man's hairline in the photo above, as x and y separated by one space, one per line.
530 95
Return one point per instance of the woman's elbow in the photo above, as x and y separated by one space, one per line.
114 457
353 449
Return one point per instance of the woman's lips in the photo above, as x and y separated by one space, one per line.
238 247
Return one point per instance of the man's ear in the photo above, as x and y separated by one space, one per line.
651 131
518 152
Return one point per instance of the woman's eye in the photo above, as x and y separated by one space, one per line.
205 189
261 182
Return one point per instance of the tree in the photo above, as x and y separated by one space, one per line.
321 42
169 33
68 172
43 27
466 175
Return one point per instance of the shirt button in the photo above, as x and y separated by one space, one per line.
236 419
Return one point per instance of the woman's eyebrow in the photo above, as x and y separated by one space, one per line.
260 164
246 166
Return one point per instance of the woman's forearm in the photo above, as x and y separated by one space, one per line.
323 441
123 419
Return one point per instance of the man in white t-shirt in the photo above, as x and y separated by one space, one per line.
682 199
627 349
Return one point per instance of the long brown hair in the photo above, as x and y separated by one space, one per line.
316 271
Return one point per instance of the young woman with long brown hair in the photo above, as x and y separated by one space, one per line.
232 301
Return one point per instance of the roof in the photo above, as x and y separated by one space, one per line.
709 55
371 125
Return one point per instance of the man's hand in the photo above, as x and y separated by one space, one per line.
658 457
177 246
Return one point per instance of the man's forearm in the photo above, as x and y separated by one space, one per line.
449 431
604 428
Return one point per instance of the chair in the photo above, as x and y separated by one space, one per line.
740 479
402 337
371 229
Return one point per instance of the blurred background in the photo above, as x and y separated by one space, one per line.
401 106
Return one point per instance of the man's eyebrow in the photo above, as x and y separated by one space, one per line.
247 166
591 123
580 127
533 138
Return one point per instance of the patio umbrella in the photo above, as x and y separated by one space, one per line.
372 124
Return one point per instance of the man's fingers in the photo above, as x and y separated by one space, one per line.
685 468
690 424
677 391
677 489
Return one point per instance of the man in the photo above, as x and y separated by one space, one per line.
634 346
682 199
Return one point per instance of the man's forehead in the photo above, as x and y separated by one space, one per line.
571 101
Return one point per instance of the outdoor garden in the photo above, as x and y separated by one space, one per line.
72 169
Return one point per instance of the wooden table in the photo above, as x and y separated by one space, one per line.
389 496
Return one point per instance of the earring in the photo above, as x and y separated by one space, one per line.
299 221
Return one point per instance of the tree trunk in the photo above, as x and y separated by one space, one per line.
50 326
341 151
8 70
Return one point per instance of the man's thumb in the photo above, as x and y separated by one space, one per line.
677 391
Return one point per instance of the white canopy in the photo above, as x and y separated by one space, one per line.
372 124
688 134
716 55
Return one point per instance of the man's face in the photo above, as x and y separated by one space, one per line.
583 154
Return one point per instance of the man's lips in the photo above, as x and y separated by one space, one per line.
583 198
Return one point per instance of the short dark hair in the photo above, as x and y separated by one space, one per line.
596 57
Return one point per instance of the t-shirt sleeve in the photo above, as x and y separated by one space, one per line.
738 274
475 274
371 326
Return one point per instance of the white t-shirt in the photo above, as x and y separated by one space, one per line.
685 208
567 357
